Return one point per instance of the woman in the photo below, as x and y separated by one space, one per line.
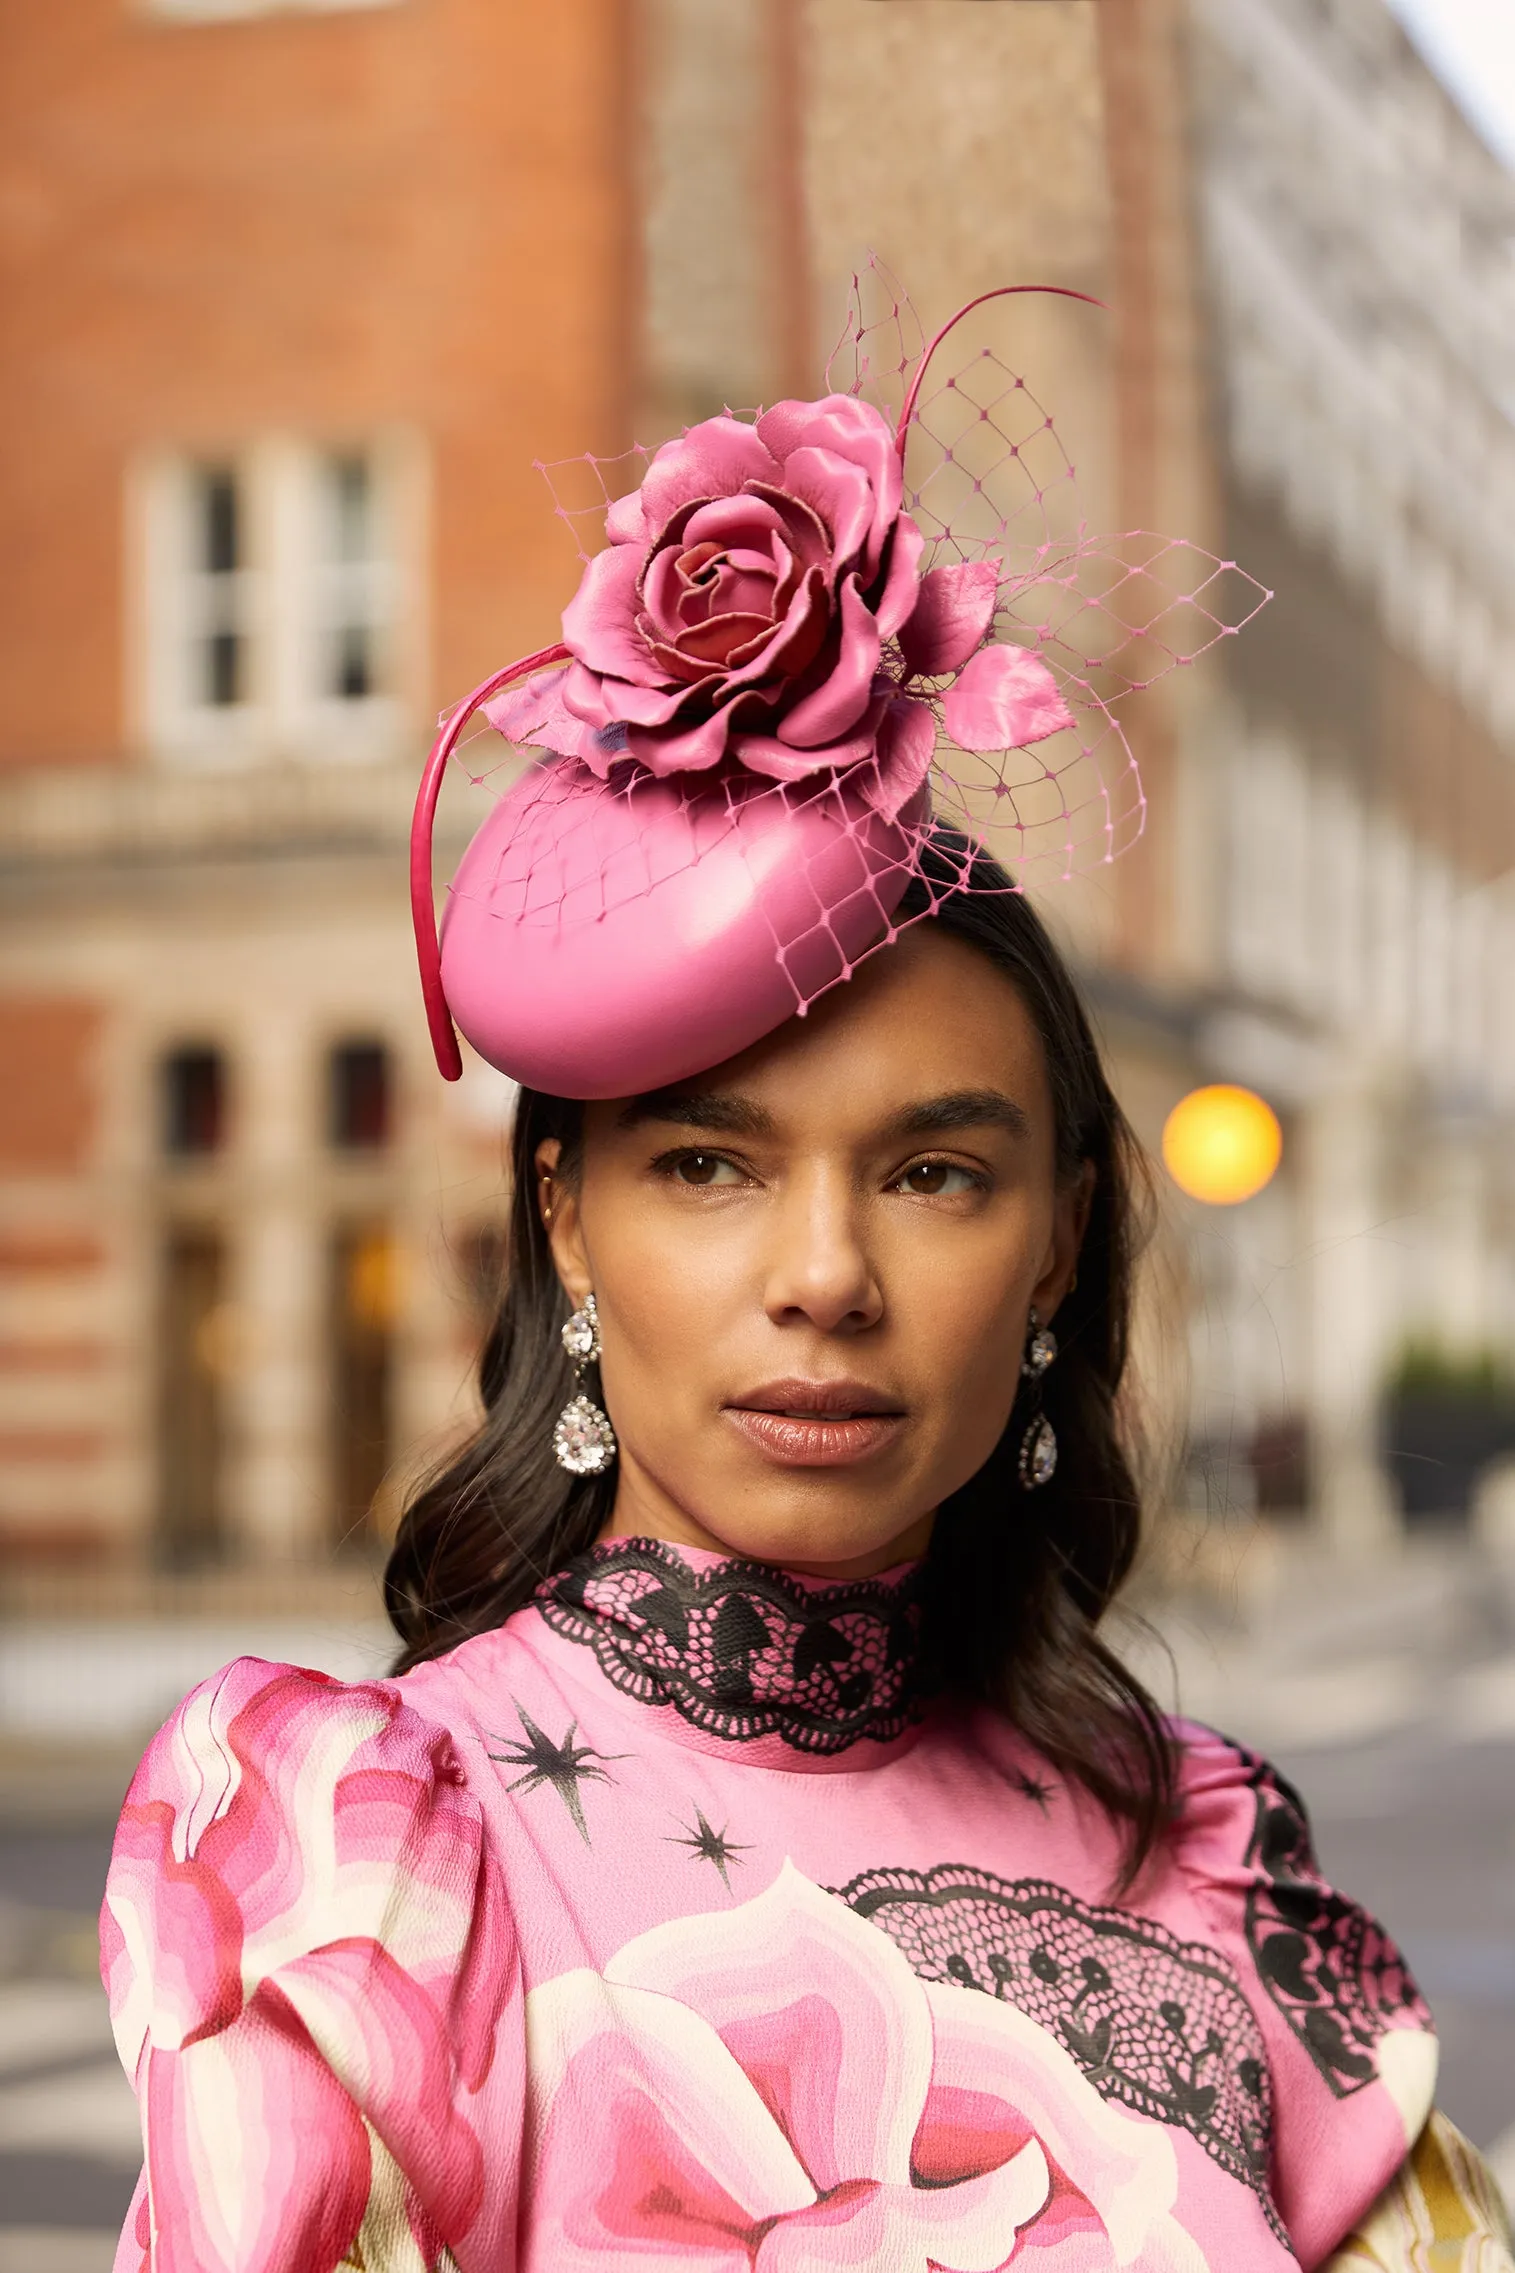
759 1860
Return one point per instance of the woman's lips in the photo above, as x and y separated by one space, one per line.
802 1424
815 1443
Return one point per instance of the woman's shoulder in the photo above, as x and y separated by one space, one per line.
1224 1792
272 1772
1243 1841
294 1728
1350 2043
279 1810
294 1718
307 1948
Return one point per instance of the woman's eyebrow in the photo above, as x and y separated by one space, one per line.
722 1112
725 1112
961 1109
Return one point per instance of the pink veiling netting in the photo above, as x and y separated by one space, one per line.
986 479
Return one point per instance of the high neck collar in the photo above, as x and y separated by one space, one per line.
742 1651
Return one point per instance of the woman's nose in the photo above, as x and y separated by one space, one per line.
820 1268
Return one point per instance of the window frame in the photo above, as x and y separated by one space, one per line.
289 591
239 11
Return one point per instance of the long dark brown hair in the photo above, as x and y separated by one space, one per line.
1016 1581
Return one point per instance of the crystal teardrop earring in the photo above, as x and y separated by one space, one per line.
583 1440
1036 1462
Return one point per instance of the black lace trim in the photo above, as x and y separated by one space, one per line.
742 1651
1160 2025
1332 1971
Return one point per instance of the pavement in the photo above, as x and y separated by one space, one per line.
1386 1695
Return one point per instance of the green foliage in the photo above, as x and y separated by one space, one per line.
1427 1368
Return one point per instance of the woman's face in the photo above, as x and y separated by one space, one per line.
814 1265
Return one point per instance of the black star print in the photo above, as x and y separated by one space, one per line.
1029 1788
710 1846
565 1766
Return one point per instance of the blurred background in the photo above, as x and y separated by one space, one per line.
294 295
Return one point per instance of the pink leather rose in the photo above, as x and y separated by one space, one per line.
761 598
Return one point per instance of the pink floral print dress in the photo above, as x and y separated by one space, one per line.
670 1925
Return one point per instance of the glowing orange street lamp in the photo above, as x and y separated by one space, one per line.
1221 1144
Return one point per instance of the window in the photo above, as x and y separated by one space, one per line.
222 631
360 1104
193 1102
353 582
227 11
276 607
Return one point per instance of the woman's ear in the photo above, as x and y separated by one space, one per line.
1070 1220
557 1202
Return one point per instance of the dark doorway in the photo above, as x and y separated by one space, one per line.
193 1103
359 1099
364 1304
191 1416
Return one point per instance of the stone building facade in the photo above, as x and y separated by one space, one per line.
296 295
1359 279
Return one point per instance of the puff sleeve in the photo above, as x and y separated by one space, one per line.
310 1965
1441 2209
1351 2050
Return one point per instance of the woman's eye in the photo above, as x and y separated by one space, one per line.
937 1179
704 1168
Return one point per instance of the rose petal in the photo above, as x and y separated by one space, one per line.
716 640
1005 699
952 614
1126 2170
794 646
608 702
731 591
854 430
803 530
841 698
599 622
712 460
748 519
766 754
680 671
385 2041
522 711
626 523
839 494
688 749
253 1754
970 2228
906 746
649 2137
820 2009
175 1925
256 2157
902 585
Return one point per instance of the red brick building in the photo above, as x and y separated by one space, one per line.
294 292
291 299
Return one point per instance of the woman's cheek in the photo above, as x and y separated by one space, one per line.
964 1320
664 1307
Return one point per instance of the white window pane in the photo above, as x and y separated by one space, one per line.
227 11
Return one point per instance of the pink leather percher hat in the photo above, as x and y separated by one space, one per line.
810 637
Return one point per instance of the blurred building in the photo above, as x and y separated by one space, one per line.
1359 287
292 298
295 295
